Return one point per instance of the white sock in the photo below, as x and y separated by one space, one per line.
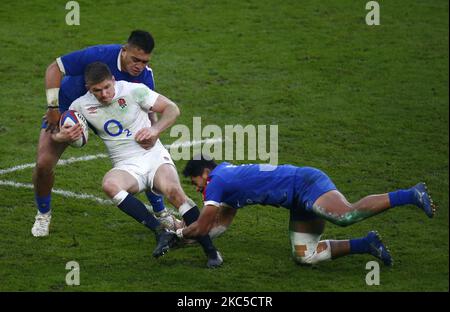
119 197
185 207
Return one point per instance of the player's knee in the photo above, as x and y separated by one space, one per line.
44 166
303 254
340 218
304 246
299 259
343 214
343 220
342 223
110 187
302 260
313 258
322 252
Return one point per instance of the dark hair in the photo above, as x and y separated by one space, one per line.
195 167
96 72
142 40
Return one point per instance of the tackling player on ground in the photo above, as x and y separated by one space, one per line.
64 82
311 198
117 110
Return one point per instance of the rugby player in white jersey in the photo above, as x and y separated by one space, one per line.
64 80
118 111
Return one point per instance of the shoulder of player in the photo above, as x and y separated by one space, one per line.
129 84
137 91
102 50
106 53
217 180
224 176
221 170
132 86
126 86
83 101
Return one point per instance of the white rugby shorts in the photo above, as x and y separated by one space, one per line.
143 168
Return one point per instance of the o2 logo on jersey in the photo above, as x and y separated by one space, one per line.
114 128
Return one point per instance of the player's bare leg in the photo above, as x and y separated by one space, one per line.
116 180
334 207
48 154
307 248
119 185
166 181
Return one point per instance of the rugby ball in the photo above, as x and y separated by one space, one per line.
72 117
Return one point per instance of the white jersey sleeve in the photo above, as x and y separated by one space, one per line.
144 96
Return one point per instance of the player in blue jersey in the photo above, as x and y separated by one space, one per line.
64 80
311 198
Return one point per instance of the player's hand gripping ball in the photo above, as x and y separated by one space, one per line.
72 117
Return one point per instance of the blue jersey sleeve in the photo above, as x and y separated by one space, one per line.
75 63
214 192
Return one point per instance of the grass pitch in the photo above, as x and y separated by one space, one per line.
366 104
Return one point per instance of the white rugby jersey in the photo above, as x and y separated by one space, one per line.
117 123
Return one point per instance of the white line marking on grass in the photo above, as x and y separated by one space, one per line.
16 168
192 143
71 160
61 162
60 192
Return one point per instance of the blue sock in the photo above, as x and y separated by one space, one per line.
137 210
402 197
156 201
205 241
43 203
359 245
191 215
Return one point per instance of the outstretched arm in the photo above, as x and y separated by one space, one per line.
203 225
225 217
213 221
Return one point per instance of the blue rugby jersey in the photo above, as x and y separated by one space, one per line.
242 185
74 64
